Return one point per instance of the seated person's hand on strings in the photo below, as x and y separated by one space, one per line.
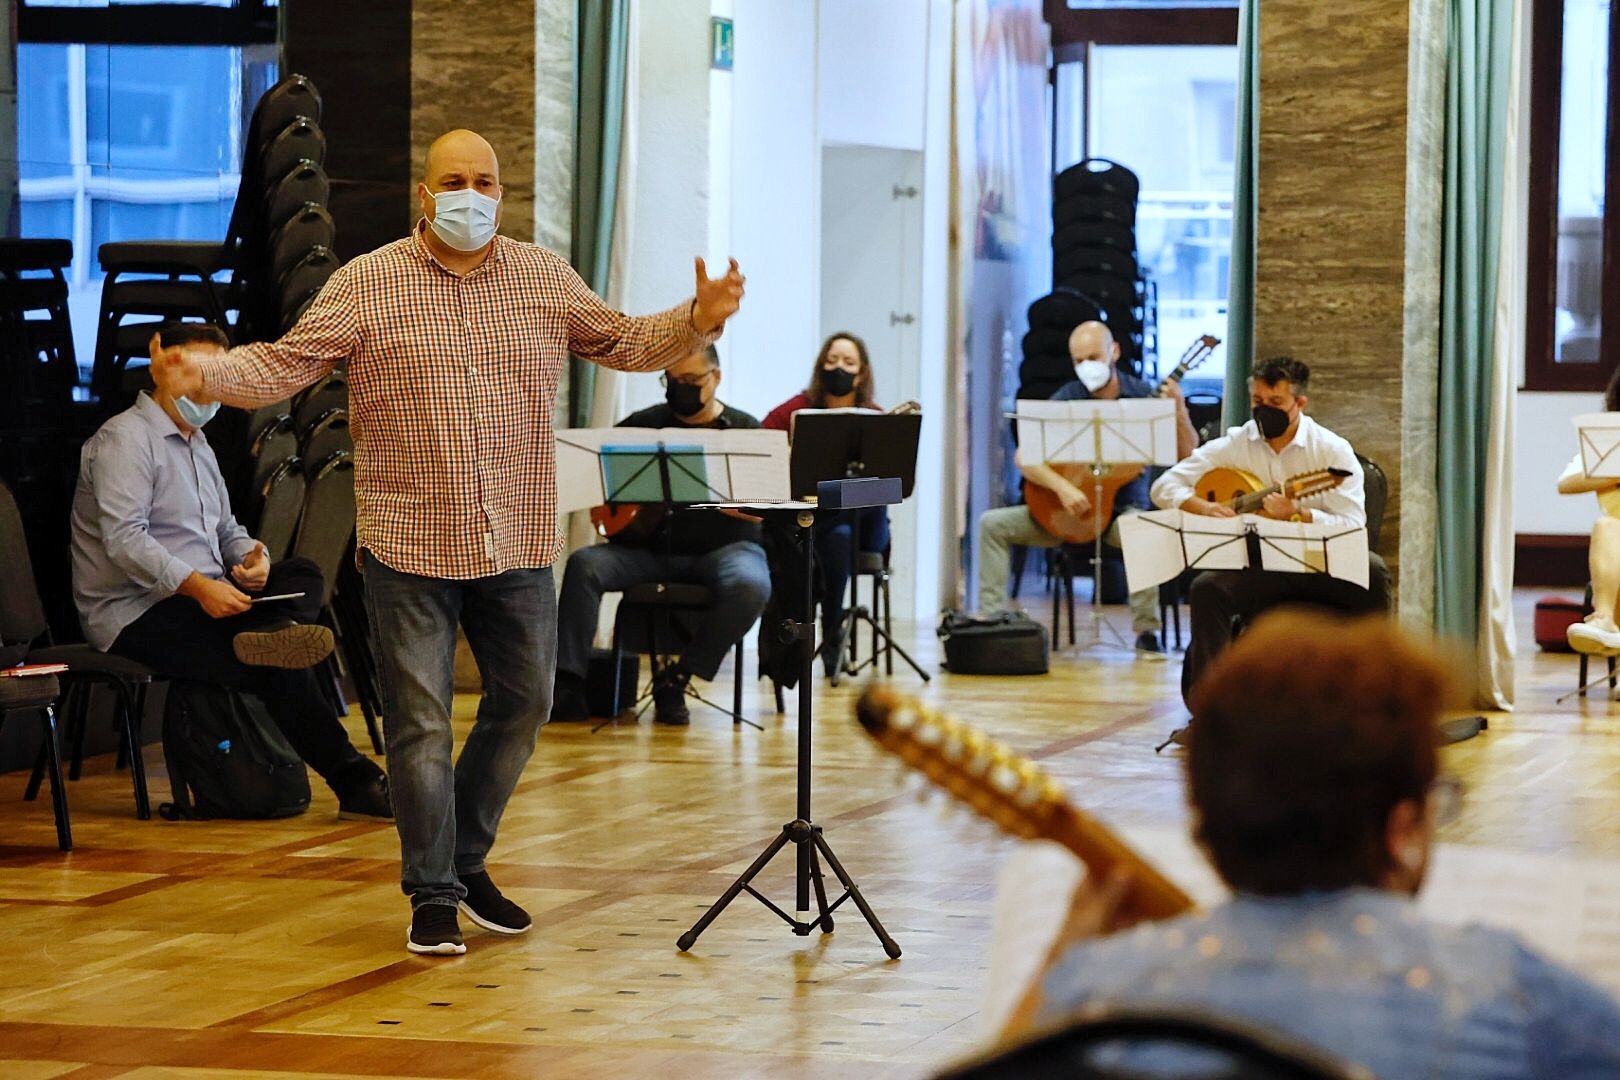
1074 501
1282 508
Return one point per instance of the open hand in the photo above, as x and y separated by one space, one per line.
1195 505
254 572
717 298
174 371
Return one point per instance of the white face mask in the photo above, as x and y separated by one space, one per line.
464 219
1094 374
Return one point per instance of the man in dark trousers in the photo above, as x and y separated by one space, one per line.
716 549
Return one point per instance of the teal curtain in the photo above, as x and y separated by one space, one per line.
1245 204
1479 38
601 37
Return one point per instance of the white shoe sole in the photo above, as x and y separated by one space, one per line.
444 948
292 647
1585 639
487 925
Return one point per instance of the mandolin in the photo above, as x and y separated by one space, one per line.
1011 792
1245 493
1047 509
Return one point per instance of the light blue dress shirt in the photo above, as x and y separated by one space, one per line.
150 508
1359 974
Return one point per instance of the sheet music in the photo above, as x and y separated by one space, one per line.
741 464
1131 431
1599 435
1160 544
1565 907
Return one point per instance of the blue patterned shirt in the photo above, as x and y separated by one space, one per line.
1358 974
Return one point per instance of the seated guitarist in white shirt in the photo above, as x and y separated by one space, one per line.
1279 443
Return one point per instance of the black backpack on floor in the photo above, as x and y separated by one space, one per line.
1006 643
227 758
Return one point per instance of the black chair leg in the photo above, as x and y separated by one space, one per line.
736 685
618 665
888 626
133 706
52 752
1581 683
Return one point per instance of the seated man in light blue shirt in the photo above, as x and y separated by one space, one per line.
1312 778
162 574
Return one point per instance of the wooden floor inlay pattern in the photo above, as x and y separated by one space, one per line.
260 950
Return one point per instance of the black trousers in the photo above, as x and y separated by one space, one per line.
1222 600
178 638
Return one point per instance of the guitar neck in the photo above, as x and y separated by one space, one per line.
1248 504
1152 895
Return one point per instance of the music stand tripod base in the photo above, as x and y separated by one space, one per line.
810 846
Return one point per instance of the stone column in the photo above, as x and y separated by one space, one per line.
1331 267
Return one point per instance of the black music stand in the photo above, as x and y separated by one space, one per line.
810 844
673 476
831 446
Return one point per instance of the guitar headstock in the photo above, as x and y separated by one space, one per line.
1315 482
996 783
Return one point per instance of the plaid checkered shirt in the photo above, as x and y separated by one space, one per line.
452 383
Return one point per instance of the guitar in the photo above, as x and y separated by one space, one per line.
1246 494
1011 792
1047 509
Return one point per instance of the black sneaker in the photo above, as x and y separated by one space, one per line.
1148 646
669 696
294 646
369 802
486 906
568 700
434 931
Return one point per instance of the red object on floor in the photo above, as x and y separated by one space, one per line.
1554 616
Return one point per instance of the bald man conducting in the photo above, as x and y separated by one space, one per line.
454 339
1097 376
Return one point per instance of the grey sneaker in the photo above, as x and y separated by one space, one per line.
294 646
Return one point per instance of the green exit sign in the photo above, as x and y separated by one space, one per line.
722 45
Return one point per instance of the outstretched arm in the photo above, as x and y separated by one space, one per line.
650 342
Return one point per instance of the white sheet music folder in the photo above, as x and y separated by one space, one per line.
1160 544
1131 431
1599 435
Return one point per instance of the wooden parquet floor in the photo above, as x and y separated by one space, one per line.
160 951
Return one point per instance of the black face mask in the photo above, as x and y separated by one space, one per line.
836 381
684 398
1271 420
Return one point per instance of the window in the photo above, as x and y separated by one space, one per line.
1573 280
1168 113
129 141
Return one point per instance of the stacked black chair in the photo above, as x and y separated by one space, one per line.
1047 364
36 335
1094 252
325 536
275 255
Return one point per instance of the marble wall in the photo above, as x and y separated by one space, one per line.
473 66
1330 279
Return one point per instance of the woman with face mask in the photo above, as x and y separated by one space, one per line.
840 379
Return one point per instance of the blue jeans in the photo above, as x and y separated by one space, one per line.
832 552
447 809
736 574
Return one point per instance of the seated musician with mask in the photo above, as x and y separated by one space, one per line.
1097 378
716 549
1280 443
1314 785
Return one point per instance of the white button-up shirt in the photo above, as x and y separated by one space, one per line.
1313 447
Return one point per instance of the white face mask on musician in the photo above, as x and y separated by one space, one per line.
1094 374
464 219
